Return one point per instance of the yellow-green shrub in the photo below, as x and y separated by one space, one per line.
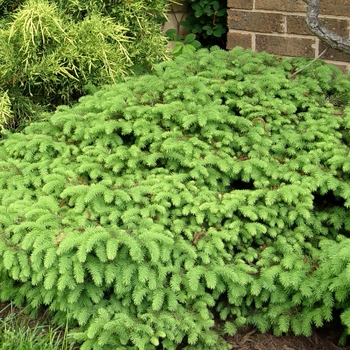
52 49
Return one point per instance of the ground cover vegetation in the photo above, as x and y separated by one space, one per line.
19 331
216 188
54 51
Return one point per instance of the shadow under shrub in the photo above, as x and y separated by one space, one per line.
216 186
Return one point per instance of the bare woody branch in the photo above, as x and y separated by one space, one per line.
324 34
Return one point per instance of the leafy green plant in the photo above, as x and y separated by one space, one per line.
208 20
189 44
209 189
52 49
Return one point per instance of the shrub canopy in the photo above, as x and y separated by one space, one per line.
214 188
52 50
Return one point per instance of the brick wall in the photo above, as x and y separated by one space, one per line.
278 27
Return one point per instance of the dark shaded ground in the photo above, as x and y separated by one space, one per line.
325 338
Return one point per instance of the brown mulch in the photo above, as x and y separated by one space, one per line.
321 339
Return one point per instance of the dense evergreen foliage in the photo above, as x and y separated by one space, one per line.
53 49
215 188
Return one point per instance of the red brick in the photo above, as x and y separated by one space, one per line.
332 54
240 4
336 8
238 39
285 46
297 25
281 5
343 67
256 21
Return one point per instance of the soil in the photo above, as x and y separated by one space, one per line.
325 338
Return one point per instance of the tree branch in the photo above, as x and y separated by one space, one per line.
309 64
324 34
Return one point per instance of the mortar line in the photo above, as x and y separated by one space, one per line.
303 14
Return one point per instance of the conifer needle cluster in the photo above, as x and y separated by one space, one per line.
216 187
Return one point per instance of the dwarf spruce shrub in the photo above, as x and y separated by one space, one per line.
215 188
